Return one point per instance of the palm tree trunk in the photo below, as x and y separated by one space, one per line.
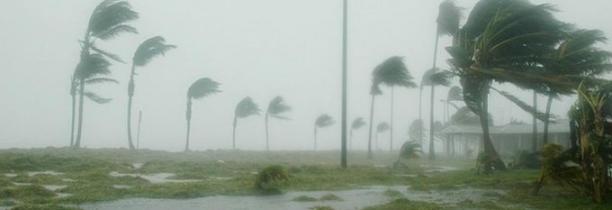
267 134
351 140
129 107
343 155
391 120
188 118
376 140
547 120
315 139
138 131
534 133
492 158
421 114
234 133
72 118
371 126
81 102
432 155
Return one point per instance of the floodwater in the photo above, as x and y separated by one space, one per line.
350 199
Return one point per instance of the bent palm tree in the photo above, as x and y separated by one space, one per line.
449 16
275 110
145 53
244 109
433 77
357 124
381 128
374 91
107 21
322 121
199 89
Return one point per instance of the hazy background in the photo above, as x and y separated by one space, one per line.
257 48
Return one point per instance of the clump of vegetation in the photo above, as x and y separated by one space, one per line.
322 208
409 151
405 204
525 160
330 197
270 178
304 198
44 207
29 193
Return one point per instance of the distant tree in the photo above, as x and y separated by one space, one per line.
433 77
322 121
357 124
276 108
199 89
145 53
108 20
449 16
415 130
381 128
245 108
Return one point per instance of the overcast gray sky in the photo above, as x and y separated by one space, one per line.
257 48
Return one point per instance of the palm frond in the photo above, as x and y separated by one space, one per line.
358 123
115 31
382 127
96 98
277 107
324 120
411 150
436 77
455 94
448 18
107 54
101 80
246 107
150 49
523 105
202 88
92 65
393 72
108 15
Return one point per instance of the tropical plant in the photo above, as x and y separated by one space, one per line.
357 124
415 130
374 91
145 53
270 179
381 128
392 72
276 108
410 150
502 41
199 89
245 108
449 15
322 121
108 20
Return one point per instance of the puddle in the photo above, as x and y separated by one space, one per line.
137 166
351 199
51 173
158 178
121 187
438 169
54 187
21 184
10 175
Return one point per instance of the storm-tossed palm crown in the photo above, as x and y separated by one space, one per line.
411 150
392 72
246 107
324 120
150 49
382 127
448 18
455 94
202 88
93 69
436 77
277 107
358 123
109 18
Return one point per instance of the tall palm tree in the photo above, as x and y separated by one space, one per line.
357 124
344 123
433 77
381 128
449 15
276 108
145 53
374 91
392 72
199 89
322 121
500 40
108 20
245 108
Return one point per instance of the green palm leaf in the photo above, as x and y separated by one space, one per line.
202 88
101 80
150 49
277 107
109 17
382 127
246 107
455 94
358 123
96 98
393 72
323 121
93 65
448 18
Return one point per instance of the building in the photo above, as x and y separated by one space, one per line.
466 140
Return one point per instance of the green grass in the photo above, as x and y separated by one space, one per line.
405 204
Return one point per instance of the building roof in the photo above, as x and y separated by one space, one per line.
560 126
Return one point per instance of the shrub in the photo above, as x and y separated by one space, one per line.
270 178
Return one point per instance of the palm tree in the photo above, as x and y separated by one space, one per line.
245 108
357 124
145 53
500 41
454 94
381 128
343 127
433 77
392 72
275 110
449 16
108 20
322 121
199 89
